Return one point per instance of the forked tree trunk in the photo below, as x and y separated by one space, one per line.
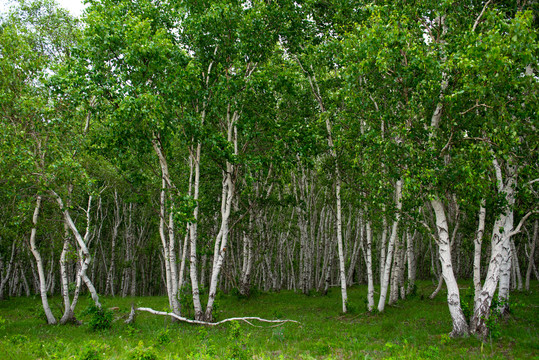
166 231
390 247
227 197
84 254
500 248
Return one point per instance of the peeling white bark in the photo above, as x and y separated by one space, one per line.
500 248
460 326
477 249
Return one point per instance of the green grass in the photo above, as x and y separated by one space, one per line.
416 328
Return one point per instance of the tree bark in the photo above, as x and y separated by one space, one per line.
390 247
227 197
477 249
42 281
460 326
532 254
370 281
500 248
7 274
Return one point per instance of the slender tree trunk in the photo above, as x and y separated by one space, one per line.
370 281
42 285
390 247
247 265
396 270
226 207
193 235
477 249
438 287
411 262
383 246
109 288
7 274
516 266
167 229
68 314
85 254
532 254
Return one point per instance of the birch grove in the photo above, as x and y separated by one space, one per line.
185 150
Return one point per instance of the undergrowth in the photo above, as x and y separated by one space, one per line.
416 328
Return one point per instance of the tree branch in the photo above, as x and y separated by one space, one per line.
475 106
519 227
480 15
198 322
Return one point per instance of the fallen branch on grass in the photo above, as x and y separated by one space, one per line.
199 322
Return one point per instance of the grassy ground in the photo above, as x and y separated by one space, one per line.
413 329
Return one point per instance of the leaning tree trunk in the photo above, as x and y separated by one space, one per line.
85 254
167 242
227 197
500 249
39 262
460 326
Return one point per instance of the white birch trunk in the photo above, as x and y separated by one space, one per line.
500 249
33 248
477 249
226 207
383 246
460 326
505 268
390 247
342 270
6 276
68 314
370 281
193 236
411 262
167 242
395 274
85 254
532 254
516 266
